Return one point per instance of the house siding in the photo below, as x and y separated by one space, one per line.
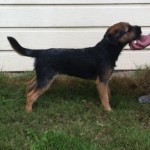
67 24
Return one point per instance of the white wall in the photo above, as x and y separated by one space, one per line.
67 23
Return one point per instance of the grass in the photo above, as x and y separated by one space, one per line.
68 116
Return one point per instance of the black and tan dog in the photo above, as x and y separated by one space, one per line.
94 62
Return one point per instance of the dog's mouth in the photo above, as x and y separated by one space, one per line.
137 32
133 44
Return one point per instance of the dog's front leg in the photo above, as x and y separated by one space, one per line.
102 88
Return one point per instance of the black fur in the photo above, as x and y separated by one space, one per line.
84 63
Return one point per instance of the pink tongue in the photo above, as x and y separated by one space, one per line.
141 39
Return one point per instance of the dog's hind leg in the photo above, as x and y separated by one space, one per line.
31 85
35 93
32 80
42 86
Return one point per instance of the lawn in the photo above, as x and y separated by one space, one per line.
69 116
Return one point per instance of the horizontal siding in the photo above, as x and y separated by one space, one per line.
73 16
128 60
69 24
54 37
71 1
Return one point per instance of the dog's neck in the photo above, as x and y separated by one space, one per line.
114 46
113 52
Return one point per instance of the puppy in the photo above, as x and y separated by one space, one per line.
96 62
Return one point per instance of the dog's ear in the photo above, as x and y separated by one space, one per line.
119 33
113 36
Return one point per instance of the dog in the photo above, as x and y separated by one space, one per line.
95 62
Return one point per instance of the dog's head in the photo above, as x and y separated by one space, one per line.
122 33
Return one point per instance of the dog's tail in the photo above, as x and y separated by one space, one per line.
19 49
